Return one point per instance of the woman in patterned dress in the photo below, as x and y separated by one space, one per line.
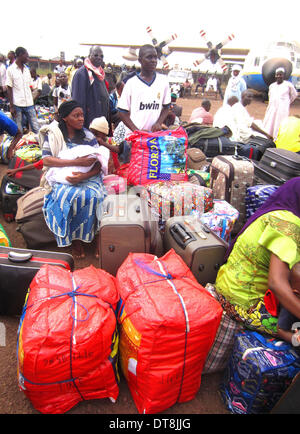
72 211
260 258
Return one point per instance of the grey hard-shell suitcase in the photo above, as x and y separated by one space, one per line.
200 248
127 226
277 166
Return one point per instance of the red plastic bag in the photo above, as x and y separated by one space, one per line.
160 156
168 323
67 340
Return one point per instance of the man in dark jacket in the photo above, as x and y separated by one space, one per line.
89 87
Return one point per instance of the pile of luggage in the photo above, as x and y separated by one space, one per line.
163 238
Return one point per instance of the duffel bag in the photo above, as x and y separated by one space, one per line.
212 147
25 178
259 371
255 147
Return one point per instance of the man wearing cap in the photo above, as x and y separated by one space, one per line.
236 84
281 95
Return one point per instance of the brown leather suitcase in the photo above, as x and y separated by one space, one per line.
200 248
127 226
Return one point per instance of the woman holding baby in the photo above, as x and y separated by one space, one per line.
72 208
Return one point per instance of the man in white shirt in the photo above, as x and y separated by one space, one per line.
62 93
60 67
18 82
212 84
244 123
146 97
224 118
36 84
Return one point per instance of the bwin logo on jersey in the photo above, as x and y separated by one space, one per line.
149 106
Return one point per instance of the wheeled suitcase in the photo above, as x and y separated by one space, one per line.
127 226
277 166
230 176
17 269
200 248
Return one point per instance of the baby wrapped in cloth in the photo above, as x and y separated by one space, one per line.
59 174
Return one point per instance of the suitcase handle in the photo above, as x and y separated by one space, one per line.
180 235
19 257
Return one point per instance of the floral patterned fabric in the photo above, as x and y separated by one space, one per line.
243 280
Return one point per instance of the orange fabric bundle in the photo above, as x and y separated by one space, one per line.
168 323
67 340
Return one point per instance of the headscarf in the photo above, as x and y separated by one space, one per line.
286 197
63 111
66 108
98 71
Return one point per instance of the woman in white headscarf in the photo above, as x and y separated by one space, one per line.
281 95
236 85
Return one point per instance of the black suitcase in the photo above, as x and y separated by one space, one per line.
10 192
276 167
17 269
200 248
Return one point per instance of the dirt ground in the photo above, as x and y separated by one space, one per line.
13 401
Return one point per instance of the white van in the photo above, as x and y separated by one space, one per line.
180 76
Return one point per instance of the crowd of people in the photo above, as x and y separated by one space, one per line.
92 105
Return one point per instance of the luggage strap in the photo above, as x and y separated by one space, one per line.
220 145
73 294
165 275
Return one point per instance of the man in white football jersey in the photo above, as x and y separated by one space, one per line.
146 97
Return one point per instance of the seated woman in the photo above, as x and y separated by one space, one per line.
260 258
72 211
